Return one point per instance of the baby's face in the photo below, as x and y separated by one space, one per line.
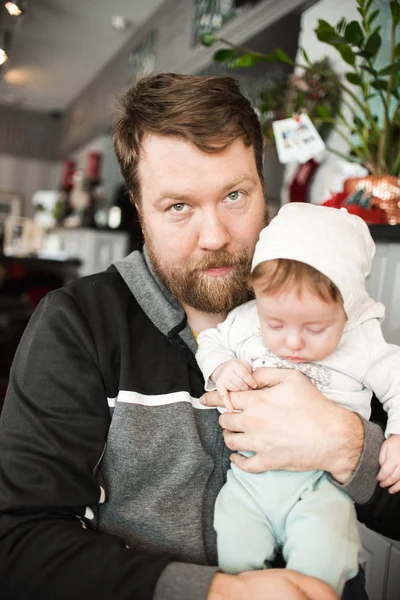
300 328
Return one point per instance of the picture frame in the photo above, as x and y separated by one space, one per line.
10 204
22 237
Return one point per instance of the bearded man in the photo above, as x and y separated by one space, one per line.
109 462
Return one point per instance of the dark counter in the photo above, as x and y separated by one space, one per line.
385 233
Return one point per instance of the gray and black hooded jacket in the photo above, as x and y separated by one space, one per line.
104 445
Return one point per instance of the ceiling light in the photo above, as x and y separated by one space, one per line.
3 53
18 76
14 8
3 56
121 24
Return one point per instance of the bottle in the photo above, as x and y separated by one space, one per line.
92 184
63 207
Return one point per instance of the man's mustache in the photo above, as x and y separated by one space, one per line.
219 259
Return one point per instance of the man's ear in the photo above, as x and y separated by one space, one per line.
132 199
136 204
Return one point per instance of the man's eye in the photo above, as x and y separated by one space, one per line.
234 196
178 207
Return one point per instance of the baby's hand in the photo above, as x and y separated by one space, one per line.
389 459
232 376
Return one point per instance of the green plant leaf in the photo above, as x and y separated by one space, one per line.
347 54
358 122
282 56
305 55
323 111
353 33
390 69
268 58
395 91
368 6
397 50
373 44
300 100
326 33
207 39
371 70
395 8
244 60
373 16
341 26
379 84
354 78
224 55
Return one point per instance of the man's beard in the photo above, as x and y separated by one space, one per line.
191 286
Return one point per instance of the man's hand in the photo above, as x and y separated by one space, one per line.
290 425
389 460
271 584
233 376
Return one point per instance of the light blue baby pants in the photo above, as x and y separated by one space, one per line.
304 515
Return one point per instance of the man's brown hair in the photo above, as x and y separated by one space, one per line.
272 277
210 112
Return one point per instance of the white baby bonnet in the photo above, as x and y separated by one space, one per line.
335 242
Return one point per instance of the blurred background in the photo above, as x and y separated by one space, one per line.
64 212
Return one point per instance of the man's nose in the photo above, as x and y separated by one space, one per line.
214 232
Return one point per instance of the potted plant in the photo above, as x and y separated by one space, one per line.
372 135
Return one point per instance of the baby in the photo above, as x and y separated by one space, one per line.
311 312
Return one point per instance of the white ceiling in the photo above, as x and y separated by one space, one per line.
60 45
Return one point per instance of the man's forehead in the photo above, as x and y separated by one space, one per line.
154 145
171 168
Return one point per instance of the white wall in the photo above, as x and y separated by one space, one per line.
27 175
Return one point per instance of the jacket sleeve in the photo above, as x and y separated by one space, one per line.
216 345
53 431
380 511
383 374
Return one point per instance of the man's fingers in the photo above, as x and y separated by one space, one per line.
232 422
238 399
211 399
268 376
251 464
394 489
315 589
235 441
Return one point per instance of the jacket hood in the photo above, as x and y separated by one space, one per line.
335 242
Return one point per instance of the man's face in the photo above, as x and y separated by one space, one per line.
201 216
